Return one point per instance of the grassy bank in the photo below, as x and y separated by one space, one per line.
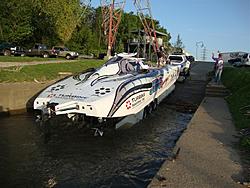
237 80
45 72
24 59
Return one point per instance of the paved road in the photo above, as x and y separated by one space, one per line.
188 96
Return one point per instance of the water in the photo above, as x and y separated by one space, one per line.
73 157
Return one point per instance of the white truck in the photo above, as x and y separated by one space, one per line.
183 62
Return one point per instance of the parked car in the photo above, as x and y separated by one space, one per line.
234 60
65 52
41 50
5 48
190 58
17 51
243 61
183 62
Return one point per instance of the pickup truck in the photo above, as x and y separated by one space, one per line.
40 50
62 51
183 62
8 49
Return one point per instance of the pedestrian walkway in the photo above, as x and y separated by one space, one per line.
206 157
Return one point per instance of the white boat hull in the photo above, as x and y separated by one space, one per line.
109 94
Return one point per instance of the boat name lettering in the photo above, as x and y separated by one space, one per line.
138 97
69 96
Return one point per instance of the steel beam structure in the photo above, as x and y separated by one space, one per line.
145 14
111 18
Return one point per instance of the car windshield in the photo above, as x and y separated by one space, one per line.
245 56
43 47
56 48
66 49
175 58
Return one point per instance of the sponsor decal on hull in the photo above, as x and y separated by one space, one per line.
135 101
156 85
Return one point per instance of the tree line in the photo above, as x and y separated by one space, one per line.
63 22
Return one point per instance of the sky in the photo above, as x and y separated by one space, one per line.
222 25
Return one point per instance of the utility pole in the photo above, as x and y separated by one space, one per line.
204 54
197 46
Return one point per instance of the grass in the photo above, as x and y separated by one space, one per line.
44 72
24 59
237 80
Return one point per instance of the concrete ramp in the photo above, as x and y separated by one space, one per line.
206 157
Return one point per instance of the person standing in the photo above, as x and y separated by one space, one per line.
218 67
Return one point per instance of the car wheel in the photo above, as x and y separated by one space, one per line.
6 53
68 56
45 55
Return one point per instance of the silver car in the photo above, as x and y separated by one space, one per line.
65 52
244 61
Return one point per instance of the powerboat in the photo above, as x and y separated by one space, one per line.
122 91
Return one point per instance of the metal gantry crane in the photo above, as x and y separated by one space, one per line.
145 14
111 13
111 18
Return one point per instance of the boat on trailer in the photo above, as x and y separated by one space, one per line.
122 91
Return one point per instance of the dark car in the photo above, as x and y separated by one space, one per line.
234 60
5 48
190 58
17 51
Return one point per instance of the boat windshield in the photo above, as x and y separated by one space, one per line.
113 60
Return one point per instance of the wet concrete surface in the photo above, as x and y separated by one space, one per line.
207 156
73 157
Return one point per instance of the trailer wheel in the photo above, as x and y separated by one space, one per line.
154 105
145 112
6 53
68 56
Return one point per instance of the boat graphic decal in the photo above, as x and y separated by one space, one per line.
124 99
121 97
128 104
100 78
57 87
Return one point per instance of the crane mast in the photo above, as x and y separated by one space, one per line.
145 14
111 18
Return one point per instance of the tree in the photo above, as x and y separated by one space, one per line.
179 43
15 23
66 16
63 22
